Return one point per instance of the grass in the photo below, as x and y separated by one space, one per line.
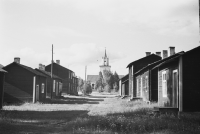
113 115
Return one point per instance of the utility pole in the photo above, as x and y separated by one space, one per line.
52 72
52 63
84 92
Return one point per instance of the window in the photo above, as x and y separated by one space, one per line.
138 87
146 83
60 87
54 85
42 88
69 75
164 84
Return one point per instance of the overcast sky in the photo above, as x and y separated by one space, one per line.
81 29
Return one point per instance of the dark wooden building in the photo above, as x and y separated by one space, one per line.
23 83
66 75
75 85
147 78
124 84
2 77
179 82
54 83
136 66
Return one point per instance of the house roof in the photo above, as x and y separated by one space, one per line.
60 66
27 68
48 74
174 58
92 78
1 70
123 76
152 65
135 62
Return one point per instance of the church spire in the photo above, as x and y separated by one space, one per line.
105 53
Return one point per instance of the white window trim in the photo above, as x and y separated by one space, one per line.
164 83
138 86
43 86
54 85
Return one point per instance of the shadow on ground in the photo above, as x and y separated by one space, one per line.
71 100
36 121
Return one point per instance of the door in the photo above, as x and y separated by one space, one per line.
37 93
175 89
57 88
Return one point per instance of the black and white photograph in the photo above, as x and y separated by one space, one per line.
99 67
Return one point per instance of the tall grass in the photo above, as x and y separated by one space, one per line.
136 120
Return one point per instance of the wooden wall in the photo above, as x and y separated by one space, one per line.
191 81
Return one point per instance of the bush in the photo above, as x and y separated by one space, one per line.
87 88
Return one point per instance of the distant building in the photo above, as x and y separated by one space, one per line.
67 76
136 66
105 63
105 66
54 84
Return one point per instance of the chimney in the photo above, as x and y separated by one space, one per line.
17 60
172 50
43 67
40 66
58 62
165 54
148 53
158 53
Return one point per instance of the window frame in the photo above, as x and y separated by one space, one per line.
164 83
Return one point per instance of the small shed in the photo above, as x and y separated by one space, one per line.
136 66
23 84
54 83
179 83
2 77
147 80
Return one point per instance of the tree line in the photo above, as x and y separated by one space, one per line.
107 82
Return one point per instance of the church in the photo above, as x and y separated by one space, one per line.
104 66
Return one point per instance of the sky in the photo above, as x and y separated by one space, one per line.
80 30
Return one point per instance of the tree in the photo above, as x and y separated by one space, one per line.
80 83
87 88
109 80
100 83
116 81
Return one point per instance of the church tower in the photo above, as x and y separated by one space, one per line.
105 63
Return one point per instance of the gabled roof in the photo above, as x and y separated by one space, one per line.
152 65
27 68
174 58
1 70
92 78
48 73
60 66
123 76
136 61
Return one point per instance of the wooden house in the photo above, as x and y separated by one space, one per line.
147 78
136 66
2 77
124 84
66 75
179 82
75 85
54 83
23 83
